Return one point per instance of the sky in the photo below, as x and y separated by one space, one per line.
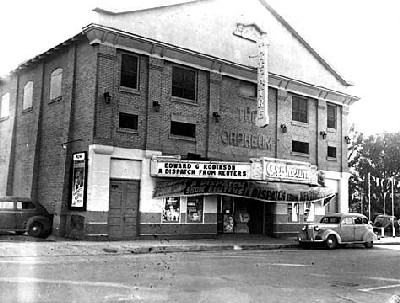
359 38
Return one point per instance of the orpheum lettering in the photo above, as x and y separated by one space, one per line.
246 140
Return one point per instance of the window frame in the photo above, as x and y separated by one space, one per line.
197 198
297 111
5 106
301 152
293 217
56 79
182 86
164 215
330 147
28 89
128 73
128 115
244 87
331 118
183 126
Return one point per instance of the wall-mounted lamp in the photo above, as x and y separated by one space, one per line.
156 106
284 128
347 138
107 97
323 134
64 145
216 116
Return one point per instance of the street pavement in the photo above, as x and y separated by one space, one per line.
25 246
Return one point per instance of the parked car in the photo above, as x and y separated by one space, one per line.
21 214
337 229
385 221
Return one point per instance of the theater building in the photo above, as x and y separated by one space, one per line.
178 121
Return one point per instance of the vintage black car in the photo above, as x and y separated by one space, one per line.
21 214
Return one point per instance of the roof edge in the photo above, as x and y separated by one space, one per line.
307 45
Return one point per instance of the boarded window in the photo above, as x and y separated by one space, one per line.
247 89
55 84
28 95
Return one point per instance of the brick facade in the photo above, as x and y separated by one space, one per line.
35 164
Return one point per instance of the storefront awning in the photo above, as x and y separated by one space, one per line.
259 190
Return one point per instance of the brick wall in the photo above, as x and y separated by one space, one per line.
234 138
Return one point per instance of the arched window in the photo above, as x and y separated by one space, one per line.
55 84
5 106
28 95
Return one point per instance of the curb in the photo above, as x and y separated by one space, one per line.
169 249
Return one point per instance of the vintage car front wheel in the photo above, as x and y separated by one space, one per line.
331 242
369 244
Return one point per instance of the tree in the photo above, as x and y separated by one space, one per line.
378 155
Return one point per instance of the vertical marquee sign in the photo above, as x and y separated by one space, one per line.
253 33
78 190
262 81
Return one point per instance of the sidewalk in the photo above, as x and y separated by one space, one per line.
64 247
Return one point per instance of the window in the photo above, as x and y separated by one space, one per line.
128 121
25 205
28 95
347 221
5 106
194 210
293 212
247 89
129 71
6 205
171 211
300 147
330 220
55 84
358 220
331 122
183 83
331 152
299 109
309 212
183 129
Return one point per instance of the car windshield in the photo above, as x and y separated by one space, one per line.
330 220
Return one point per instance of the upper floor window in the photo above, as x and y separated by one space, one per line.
5 106
183 129
55 84
184 83
300 147
331 120
299 109
247 89
129 71
28 95
128 121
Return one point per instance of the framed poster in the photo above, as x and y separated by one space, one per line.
194 210
171 211
78 184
